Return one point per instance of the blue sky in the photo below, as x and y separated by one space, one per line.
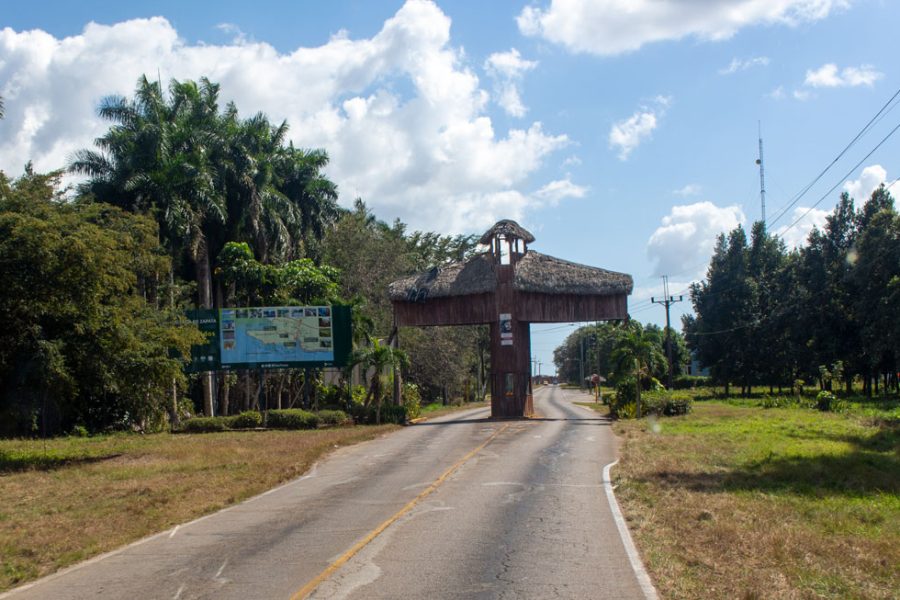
623 134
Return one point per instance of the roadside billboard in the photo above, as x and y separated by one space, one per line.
276 337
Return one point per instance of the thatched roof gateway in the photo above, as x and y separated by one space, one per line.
535 272
509 288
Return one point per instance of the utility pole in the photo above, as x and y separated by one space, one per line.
668 301
762 176
535 366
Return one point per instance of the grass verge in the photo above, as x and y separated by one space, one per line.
438 410
66 499
735 501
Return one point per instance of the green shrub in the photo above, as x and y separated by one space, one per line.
80 431
328 396
205 424
678 406
412 400
624 397
669 404
246 420
333 418
624 411
358 395
777 402
391 413
770 402
827 402
689 382
293 418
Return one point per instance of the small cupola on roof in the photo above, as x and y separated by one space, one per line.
508 241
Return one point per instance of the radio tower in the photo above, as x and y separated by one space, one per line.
762 177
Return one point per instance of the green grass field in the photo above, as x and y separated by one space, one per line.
737 501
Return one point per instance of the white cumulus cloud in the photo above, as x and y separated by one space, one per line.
684 241
608 27
401 114
829 75
861 189
559 190
626 135
507 70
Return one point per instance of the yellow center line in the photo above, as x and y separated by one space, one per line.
307 589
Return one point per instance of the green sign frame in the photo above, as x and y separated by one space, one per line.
205 357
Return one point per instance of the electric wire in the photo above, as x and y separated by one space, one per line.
849 173
872 122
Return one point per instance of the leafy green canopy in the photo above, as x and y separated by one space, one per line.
83 341
208 177
595 345
252 283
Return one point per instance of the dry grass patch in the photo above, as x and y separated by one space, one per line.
741 502
67 499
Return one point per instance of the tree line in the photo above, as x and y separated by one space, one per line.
185 204
825 312
591 349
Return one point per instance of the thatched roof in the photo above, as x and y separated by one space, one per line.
544 274
535 272
507 228
475 276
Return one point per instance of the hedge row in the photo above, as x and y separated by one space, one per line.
390 413
293 418
277 419
668 403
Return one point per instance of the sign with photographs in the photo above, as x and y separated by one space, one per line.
274 337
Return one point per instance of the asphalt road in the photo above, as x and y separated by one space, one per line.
460 507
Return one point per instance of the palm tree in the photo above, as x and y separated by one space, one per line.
278 199
378 358
636 354
157 158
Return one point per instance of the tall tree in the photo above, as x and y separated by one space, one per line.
84 342
876 266
722 304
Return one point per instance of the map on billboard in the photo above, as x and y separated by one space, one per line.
276 336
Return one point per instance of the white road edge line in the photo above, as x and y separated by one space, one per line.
636 564
120 550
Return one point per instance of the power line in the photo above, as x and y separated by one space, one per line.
849 173
878 116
